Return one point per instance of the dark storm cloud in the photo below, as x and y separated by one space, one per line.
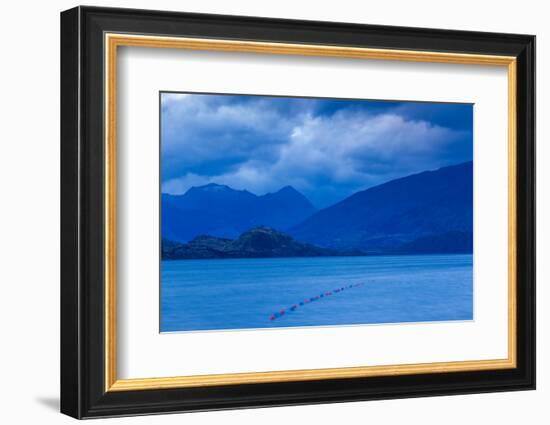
325 148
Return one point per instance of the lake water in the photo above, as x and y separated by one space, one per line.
267 292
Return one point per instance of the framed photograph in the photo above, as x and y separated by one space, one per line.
261 212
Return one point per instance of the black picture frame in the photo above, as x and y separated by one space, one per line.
83 392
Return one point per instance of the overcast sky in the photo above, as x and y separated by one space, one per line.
325 148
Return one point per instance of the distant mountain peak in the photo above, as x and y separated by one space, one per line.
287 188
289 192
215 187
211 187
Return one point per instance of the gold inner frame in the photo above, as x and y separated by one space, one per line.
113 41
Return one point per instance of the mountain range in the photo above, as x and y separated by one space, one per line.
421 213
221 211
428 212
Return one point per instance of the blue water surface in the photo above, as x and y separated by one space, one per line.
246 293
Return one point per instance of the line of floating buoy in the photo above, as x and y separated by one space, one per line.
296 306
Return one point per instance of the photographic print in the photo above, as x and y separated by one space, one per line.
291 212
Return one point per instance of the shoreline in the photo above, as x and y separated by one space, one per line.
323 256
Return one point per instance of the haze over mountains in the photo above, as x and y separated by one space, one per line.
429 212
